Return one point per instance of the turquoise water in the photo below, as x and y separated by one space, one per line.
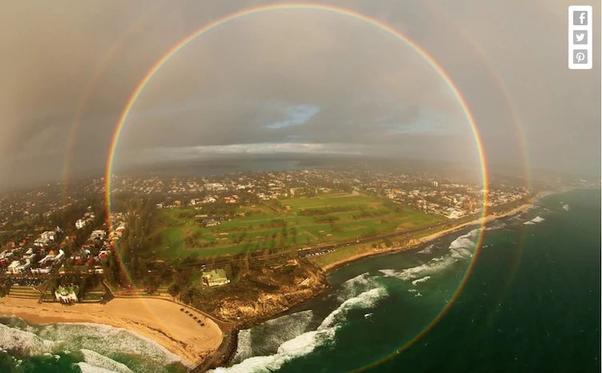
532 304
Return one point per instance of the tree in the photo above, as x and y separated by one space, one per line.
174 289
150 284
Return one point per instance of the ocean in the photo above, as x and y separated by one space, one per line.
530 304
79 347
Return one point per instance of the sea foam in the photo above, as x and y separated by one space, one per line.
267 337
106 339
244 347
356 285
460 249
100 361
24 342
535 220
96 342
88 368
421 280
307 342
427 250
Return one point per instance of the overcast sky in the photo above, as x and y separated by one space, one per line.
291 81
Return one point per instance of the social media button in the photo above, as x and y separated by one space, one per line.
580 56
580 43
580 18
579 37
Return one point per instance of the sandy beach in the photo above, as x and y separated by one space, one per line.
431 237
162 320
157 319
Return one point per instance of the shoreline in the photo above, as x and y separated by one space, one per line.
181 336
416 242
197 346
413 245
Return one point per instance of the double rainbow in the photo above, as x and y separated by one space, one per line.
133 98
337 11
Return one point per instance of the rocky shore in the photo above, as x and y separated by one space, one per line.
270 305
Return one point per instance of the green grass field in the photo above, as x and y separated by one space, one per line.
289 223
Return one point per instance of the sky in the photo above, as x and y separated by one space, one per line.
291 81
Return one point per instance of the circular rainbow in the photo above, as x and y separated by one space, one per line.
338 11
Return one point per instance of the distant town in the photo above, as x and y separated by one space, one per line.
430 195
52 231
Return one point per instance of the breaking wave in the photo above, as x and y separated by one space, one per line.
535 220
24 342
96 360
466 241
97 344
427 250
365 300
421 280
87 368
460 249
267 337
106 339
244 346
356 285
324 334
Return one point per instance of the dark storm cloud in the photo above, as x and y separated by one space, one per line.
244 83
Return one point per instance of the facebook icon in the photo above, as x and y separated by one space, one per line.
580 18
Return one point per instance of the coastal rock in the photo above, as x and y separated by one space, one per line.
266 303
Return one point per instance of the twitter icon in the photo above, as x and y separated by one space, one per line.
579 37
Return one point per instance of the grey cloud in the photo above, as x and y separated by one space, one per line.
69 65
